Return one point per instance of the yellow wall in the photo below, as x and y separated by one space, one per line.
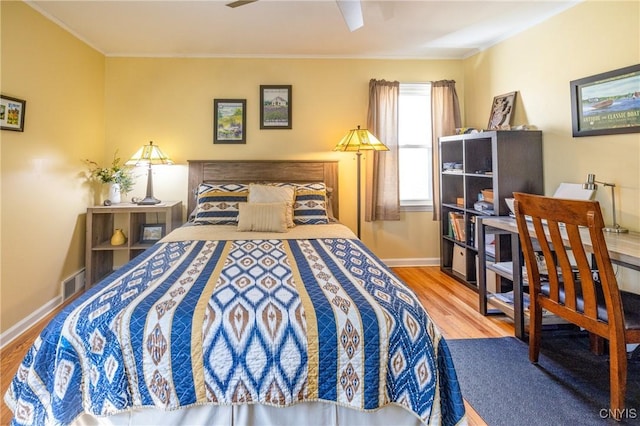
170 101
590 38
118 104
43 196
539 64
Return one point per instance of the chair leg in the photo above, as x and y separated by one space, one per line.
617 377
535 330
597 344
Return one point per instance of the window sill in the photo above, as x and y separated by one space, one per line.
416 208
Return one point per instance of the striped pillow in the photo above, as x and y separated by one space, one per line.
274 194
263 217
218 204
310 206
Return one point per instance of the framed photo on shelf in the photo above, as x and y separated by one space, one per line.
229 121
12 113
607 103
501 111
151 233
275 107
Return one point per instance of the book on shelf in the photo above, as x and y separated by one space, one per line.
462 231
456 223
472 231
452 227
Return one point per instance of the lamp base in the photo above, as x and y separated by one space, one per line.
615 230
147 201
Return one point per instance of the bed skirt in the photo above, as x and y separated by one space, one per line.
307 413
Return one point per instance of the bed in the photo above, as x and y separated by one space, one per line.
233 320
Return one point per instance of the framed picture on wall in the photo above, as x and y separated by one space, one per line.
12 113
607 103
229 121
275 107
501 111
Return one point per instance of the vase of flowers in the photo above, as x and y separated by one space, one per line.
117 176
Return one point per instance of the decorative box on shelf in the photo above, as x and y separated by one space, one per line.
487 195
459 264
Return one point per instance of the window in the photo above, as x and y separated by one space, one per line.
415 147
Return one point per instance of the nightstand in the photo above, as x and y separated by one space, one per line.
101 256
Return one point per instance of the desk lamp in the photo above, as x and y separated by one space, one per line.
149 155
359 140
591 184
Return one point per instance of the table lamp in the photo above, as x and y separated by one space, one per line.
358 140
591 183
149 155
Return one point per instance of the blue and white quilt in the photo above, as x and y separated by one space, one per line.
269 321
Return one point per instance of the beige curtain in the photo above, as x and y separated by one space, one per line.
445 118
382 200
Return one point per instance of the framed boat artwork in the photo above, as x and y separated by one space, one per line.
607 103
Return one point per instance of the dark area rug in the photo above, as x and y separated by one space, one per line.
569 386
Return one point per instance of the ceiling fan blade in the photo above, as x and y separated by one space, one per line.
352 13
238 3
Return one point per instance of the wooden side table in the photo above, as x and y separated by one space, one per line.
133 219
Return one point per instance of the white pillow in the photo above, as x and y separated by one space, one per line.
262 217
273 194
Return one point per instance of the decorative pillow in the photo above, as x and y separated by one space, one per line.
274 194
310 205
264 217
218 204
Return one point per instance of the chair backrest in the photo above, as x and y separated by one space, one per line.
560 228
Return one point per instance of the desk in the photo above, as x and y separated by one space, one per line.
624 250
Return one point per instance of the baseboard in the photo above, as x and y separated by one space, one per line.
29 321
418 261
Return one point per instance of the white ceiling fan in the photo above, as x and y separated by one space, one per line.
351 11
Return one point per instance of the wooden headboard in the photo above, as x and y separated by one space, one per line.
252 171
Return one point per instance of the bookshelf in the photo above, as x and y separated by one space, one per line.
477 172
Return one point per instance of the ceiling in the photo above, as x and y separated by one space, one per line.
424 29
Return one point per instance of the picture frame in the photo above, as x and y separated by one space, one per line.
151 233
501 111
275 106
229 121
606 103
12 113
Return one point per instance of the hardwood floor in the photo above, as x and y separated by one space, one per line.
452 306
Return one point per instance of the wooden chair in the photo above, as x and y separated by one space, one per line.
570 290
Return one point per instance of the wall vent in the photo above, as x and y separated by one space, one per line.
72 284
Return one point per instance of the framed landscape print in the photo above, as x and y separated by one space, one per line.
229 121
275 107
607 103
12 113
